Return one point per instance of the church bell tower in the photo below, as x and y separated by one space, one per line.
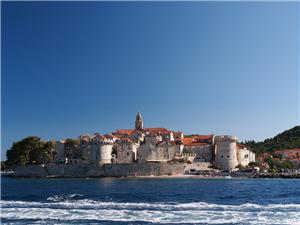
139 124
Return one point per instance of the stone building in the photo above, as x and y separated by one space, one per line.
126 151
200 145
244 155
58 152
143 145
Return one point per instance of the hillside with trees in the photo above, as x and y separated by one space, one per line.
286 140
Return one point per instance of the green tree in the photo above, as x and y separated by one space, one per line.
72 149
4 165
30 150
253 164
240 166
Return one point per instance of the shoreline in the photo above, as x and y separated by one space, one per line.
175 176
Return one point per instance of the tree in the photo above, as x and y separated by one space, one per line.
30 150
3 166
240 166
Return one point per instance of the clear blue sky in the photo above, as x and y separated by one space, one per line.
225 68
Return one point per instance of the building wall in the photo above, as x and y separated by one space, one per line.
59 148
244 157
179 148
146 152
89 154
157 153
226 154
252 156
204 153
126 152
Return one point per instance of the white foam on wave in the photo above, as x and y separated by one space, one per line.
196 212
57 198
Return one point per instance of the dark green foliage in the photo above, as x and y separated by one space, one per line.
240 167
4 166
30 150
276 164
72 149
253 164
286 140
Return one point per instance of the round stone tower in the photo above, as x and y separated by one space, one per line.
101 149
139 124
105 150
225 148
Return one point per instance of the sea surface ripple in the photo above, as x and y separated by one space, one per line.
150 201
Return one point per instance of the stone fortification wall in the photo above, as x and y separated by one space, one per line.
199 166
204 153
143 169
107 170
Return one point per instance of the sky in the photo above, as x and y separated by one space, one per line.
70 68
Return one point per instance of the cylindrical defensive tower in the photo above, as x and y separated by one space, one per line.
105 151
226 157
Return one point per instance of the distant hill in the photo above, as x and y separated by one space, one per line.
285 140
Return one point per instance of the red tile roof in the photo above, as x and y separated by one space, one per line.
99 136
204 137
124 131
127 139
109 136
190 141
241 146
158 130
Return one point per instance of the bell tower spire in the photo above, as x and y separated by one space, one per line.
139 124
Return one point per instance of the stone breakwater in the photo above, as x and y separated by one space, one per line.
106 170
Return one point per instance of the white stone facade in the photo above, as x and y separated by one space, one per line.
245 156
226 152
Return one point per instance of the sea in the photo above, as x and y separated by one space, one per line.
150 201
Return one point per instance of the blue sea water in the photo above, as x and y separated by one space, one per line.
150 201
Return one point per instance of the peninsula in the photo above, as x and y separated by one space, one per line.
138 152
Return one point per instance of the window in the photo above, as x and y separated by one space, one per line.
222 156
127 153
228 156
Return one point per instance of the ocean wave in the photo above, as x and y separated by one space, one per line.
67 208
58 198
